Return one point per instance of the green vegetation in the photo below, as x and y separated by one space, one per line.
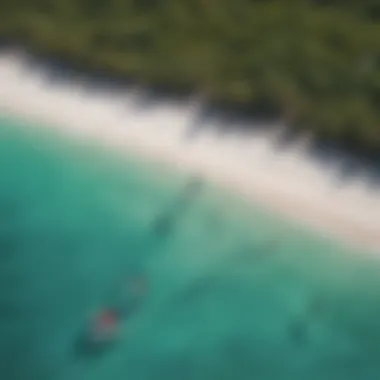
316 62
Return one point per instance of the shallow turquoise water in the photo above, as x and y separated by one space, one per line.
234 293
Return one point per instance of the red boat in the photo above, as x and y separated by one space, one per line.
105 327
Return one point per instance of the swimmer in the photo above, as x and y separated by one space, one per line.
99 335
105 327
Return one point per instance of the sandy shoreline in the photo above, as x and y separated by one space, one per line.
288 183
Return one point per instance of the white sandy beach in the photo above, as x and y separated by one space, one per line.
287 182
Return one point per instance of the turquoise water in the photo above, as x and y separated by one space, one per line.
234 293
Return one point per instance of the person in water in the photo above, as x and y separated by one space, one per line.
103 330
107 322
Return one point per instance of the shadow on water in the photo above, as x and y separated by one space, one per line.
298 332
163 225
124 301
84 349
298 328
196 289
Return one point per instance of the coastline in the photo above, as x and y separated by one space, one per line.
248 165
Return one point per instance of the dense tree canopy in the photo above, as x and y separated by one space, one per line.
315 62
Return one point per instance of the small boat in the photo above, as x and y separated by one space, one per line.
105 328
